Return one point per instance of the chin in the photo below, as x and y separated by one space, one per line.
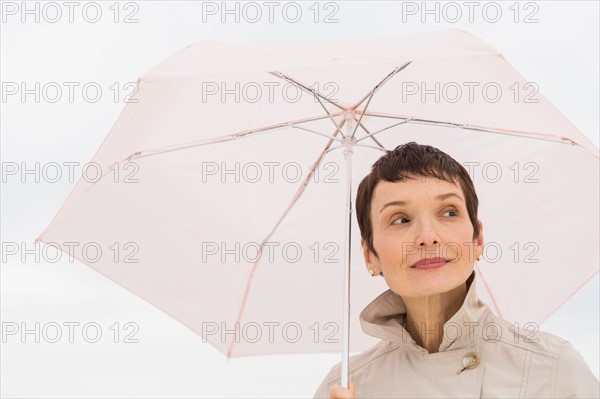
419 283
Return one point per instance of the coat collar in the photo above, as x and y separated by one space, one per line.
385 318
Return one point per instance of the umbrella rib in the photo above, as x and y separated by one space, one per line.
371 135
370 97
529 135
378 85
215 140
315 93
304 87
233 136
508 132
290 205
358 145
358 123
315 132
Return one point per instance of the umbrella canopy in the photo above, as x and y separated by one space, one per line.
239 149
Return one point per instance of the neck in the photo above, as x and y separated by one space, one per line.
426 316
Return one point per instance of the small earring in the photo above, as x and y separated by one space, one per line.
371 272
479 257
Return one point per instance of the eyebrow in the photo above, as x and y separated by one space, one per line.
440 197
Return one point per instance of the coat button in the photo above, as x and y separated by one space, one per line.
470 361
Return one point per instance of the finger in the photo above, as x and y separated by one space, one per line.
352 388
332 391
338 392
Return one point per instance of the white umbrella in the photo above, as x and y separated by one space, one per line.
233 149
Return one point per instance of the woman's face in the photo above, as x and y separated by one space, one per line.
421 218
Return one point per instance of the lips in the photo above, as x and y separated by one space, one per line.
430 263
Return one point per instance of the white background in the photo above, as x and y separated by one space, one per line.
559 53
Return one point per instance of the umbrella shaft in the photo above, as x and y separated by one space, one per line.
348 142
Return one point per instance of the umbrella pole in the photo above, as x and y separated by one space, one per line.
348 143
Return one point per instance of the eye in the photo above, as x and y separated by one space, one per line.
452 210
398 219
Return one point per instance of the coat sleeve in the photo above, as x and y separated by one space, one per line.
574 378
332 378
323 389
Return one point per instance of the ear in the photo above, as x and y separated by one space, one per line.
370 258
479 240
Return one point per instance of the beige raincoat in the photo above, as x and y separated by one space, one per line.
481 356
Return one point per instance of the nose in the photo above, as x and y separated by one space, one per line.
427 234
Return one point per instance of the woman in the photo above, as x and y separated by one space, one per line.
417 213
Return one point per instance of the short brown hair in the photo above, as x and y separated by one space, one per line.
408 161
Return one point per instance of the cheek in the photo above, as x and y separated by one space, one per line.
464 247
393 250
464 253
